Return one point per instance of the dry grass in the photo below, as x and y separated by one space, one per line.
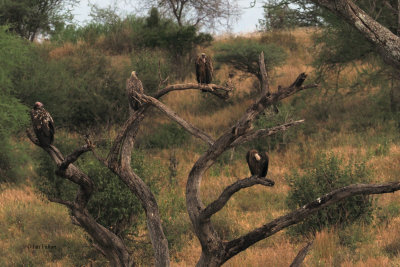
26 221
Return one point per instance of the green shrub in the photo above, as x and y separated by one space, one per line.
148 64
80 90
326 174
13 115
269 120
112 203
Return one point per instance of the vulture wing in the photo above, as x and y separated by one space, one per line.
264 161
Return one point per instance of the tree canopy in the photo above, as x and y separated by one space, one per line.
28 18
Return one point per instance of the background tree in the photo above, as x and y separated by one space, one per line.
282 14
29 18
243 55
201 14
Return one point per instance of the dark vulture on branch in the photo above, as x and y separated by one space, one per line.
134 87
43 124
258 162
204 69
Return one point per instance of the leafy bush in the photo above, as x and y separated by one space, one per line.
80 90
326 174
112 203
147 64
13 115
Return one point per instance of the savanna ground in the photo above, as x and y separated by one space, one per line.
353 124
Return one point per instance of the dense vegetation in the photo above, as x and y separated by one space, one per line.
350 136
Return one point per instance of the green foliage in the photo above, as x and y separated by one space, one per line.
80 90
280 14
148 63
28 18
112 203
269 120
166 136
173 214
326 174
243 55
13 115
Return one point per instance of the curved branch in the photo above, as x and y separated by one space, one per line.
237 245
74 156
228 192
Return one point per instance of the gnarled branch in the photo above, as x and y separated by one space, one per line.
74 156
228 192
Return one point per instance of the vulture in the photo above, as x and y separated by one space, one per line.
258 162
204 69
133 87
43 124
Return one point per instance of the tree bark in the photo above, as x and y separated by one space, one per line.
386 42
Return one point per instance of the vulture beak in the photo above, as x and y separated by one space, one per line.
258 158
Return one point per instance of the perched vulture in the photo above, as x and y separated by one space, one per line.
133 87
204 69
43 124
258 162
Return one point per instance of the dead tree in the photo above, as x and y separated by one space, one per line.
216 251
119 162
